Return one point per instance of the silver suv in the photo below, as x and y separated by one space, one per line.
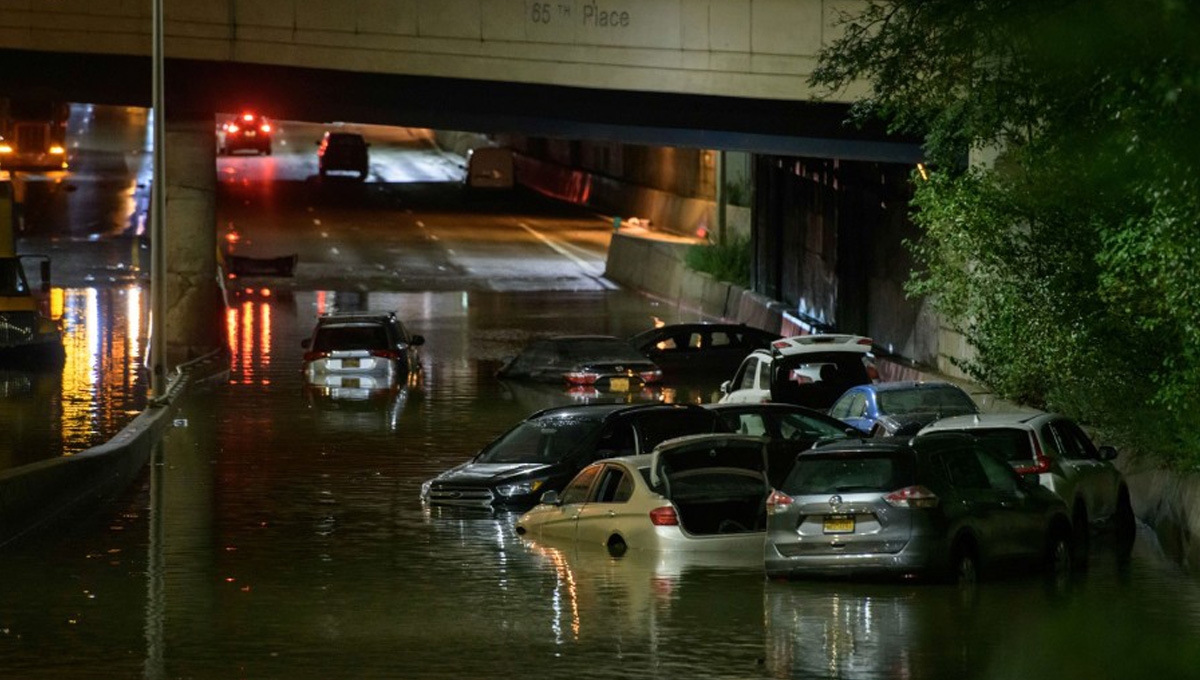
360 350
933 506
1063 458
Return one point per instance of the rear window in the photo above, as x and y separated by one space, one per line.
851 472
658 427
944 400
816 379
546 440
1008 444
596 350
365 337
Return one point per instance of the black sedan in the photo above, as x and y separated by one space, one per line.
600 362
701 350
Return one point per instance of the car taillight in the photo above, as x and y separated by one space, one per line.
866 341
385 353
778 502
266 127
650 376
247 117
231 128
664 517
1040 462
912 497
313 356
581 377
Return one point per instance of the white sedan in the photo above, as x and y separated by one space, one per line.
697 493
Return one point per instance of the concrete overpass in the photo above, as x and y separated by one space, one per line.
705 74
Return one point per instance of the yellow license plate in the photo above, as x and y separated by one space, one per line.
618 384
839 524
349 363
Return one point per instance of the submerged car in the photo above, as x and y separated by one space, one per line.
602 362
700 350
790 429
936 506
1055 451
902 407
357 352
699 493
807 370
543 452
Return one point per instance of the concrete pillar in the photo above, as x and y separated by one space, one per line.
194 322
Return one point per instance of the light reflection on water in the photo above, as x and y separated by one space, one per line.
292 544
100 387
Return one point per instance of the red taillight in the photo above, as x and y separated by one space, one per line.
385 353
1040 462
649 377
866 341
581 377
231 128
247 117
781 344
313 356
266 127
778 502
664 517
912 497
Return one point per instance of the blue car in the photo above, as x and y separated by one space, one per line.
900 408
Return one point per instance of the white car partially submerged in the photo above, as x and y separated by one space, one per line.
807 370
695 493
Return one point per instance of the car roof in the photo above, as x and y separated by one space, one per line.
344 136
1013 419
822 342
901 385
600 411
355 317
704 325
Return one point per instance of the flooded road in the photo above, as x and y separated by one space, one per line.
279 533
280 537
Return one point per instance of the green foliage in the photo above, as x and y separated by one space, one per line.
729 262
1073 264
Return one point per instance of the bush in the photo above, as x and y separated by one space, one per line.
729 262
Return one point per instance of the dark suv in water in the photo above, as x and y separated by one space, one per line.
545 451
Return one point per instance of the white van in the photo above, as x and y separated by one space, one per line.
489 168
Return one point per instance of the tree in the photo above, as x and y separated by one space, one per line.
1071 264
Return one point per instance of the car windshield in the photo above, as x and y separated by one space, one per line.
361 337
944 400
797 426
837 473
545 440
1009 444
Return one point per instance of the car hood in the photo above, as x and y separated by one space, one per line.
486 474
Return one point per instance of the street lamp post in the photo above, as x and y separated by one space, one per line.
158 209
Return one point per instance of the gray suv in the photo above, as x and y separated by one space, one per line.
937 506
1055 451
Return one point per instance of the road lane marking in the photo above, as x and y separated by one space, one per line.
557 247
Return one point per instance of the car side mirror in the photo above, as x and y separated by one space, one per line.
550 498
1106 452
725 387
417 340
306 343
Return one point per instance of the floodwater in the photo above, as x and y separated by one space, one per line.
280 535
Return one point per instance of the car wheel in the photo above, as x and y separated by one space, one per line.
616 546
1126 523
965 564
1059 559
1081 536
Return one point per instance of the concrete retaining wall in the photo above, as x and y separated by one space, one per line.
38 496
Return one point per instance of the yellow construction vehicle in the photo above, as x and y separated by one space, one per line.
27 331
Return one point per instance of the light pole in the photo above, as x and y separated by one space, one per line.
158 209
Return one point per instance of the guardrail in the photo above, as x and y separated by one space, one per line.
38 496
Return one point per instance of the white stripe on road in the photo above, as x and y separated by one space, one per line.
558 248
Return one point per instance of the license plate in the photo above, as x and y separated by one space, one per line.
349 363
839 524
618 384
350 382
250 133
